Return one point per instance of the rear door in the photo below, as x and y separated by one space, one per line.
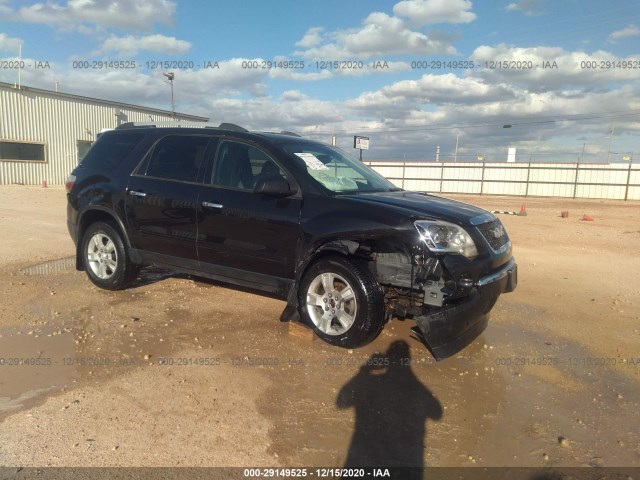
242 231
162 195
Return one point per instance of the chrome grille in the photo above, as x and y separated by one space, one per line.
494 233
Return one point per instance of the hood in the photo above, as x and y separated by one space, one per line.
422 205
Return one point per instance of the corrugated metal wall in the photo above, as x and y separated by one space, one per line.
59 123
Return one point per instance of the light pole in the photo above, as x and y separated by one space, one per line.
455 157
610 142
170 76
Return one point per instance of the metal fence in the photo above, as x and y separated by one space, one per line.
574 180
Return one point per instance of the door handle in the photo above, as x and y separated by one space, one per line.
137 194
211 205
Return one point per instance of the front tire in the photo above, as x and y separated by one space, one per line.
105 257
342 301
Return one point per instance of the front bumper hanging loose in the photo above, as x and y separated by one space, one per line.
450 329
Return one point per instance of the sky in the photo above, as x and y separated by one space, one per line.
413 76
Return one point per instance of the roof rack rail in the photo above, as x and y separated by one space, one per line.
172 124
293 134
126 125
232 126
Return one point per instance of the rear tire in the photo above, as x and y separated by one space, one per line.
342 301
105 257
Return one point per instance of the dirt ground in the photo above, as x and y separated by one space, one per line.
183 372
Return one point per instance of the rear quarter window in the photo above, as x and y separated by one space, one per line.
111 149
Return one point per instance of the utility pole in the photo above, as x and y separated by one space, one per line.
610 142
455 157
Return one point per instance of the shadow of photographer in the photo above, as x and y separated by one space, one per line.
391 409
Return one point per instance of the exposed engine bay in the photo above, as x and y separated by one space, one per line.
415 280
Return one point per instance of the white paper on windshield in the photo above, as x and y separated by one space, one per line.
312 161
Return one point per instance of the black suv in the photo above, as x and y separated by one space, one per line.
290 217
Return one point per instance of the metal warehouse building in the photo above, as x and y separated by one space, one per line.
43 134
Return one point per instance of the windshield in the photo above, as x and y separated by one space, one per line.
335 171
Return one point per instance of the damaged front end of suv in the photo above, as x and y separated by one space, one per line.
448 279
436 261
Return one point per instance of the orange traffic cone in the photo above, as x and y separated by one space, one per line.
44 184
587 218
523 211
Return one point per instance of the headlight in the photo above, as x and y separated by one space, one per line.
444 237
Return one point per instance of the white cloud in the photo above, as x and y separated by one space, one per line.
630 31
380 34
9 44
232 78
312 38
76 14
299 75
572 69
380 67
130 45
4 9
372 67
430 91
528 7
290 111
429 12
293 96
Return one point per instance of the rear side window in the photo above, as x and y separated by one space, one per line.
178 157
111 149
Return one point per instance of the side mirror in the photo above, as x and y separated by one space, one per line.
274 186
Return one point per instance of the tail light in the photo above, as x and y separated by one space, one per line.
69 183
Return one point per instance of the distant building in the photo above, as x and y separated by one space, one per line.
44 134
